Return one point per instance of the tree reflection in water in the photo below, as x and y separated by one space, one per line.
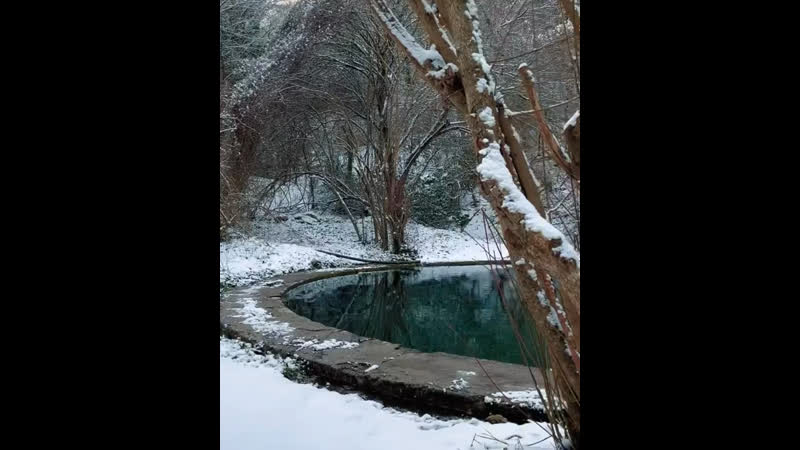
444 309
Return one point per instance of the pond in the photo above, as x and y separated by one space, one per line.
434 309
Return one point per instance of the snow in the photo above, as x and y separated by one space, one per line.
438 74
420 54
552 319
260 408
262 321
259 319
436 245
493 167
472 15
446 37
487 117
529 398
478 58
371 368
572 120
459 384
542 299
290 246
245 261
328 344
430 9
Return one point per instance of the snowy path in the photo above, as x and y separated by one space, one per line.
261 409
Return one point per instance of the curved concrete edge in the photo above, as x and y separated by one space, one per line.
439 383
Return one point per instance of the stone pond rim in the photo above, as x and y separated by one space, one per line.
405 377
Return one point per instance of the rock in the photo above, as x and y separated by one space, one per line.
496 418
316 264
280 219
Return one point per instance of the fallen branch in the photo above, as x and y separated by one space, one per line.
369 260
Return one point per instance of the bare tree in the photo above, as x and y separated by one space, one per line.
456 66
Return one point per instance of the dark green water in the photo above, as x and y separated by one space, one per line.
436 309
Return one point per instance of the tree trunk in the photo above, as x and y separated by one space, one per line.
456 75
556 152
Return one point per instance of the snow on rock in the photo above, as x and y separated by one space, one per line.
459 384
371 368
493 167
529 398
259 319
327 344
244 354
260 408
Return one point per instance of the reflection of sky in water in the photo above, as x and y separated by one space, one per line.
447 309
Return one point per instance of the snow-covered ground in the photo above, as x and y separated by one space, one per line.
290 246
261 409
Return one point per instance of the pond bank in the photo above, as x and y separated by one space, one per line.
430 382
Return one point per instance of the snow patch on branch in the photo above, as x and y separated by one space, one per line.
478 58
416 51
423 56
528 72
472 15
484 86
488 85
487 117
439 74
572 120
493 167
430 8
552 319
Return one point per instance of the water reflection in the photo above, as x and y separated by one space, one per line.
446 309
